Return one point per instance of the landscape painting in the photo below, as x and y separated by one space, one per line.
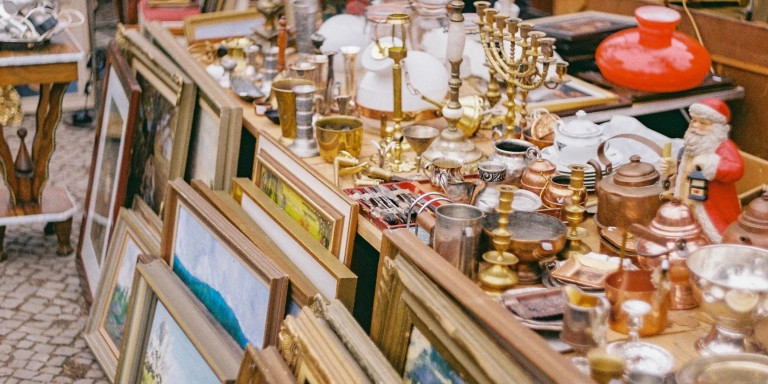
114 323
424 364
232 293
170 356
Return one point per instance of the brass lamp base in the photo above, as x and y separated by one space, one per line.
453 144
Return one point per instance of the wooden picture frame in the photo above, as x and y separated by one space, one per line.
264 366
328 274
107 319
573 94
221 24
357 342
334 213
587 25
110 164
311 268
167 323
214 146
417 286
166 110
314 353
241 287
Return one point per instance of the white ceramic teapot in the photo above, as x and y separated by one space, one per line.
577 141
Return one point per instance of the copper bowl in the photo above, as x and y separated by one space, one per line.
542 143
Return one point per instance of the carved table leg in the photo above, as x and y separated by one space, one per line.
63 230
48 116
3 255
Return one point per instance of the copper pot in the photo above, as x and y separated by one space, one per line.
676 232
536 176
631 194
752 226
558 193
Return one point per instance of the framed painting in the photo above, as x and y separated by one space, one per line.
322 209
315 354
588 25
214 144
264 366
170 337
574 94
105 327
166 109
329 275
221 25
429 317
108 178
219 265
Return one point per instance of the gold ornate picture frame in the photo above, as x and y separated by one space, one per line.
328 213
418 289
214 147
264 366
104 329
170 337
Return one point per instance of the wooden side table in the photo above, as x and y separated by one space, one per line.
26 198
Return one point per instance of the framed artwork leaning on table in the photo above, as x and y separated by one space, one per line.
170 337
214 145
322 209
108 178
221 25
311 268
264 366
573 94
104 329
429 319
220 265
166 109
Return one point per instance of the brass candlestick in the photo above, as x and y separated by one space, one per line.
500 276
574 214
520 71
452 143
398 53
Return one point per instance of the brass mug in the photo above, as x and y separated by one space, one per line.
442 171
339 133
286 106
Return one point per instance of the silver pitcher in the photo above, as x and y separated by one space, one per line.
515 153
458 228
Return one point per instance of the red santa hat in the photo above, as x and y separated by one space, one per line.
713 109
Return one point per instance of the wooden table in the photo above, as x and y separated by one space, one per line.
27 198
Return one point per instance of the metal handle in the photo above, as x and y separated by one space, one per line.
425 204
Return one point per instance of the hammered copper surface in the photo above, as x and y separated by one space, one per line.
752 226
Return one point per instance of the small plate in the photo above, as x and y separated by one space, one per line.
551 154
742 368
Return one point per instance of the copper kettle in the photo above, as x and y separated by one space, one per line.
752 226
631 195
537 175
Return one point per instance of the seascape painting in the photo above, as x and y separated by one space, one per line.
234 295
114 323
296 207
170 356
152 147
425 365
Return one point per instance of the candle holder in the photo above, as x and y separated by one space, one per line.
500 276
305 144
270 9
522 71
452 142
574 215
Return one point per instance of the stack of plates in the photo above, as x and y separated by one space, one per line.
616 158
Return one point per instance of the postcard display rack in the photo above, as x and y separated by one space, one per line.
269 271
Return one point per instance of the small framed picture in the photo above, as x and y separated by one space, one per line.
108 179
218 264
573 94
222 24
105 328
322 209
170 337
588 25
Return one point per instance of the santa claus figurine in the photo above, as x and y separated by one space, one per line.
708 167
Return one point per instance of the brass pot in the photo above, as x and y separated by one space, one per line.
752 226
631 194
673 222
536 176
558 193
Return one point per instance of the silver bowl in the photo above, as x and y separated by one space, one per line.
730 282
742 368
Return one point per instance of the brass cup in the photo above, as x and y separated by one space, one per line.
286 106
339 133
635 284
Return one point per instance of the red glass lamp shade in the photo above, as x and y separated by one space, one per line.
653 57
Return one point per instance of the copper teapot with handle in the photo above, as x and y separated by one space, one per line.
631 194
751 228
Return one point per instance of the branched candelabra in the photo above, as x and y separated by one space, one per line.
520 71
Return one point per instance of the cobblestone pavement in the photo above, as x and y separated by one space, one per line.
42 306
